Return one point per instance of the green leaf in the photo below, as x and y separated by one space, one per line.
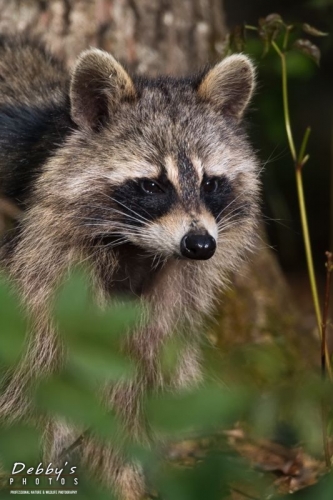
311 30
206 481
93 337
90 488
196 410
77 314
97 363
210 479
308 48
19 443
65 397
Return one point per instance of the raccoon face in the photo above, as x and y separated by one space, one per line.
169 168
171 210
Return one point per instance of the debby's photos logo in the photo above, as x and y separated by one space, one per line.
43 479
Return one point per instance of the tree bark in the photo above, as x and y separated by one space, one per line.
150 36
175 37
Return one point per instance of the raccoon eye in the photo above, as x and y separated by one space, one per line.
150 187
209 186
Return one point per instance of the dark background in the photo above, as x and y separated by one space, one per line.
310 96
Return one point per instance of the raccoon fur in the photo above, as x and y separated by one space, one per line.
150 181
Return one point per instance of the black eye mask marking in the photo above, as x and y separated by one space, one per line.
151 187
145 200
218 196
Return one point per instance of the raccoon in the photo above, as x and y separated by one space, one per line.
152 182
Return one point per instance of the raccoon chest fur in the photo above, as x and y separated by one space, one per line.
150 181
134 275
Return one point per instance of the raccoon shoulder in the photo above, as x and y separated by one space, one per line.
34 113
29 73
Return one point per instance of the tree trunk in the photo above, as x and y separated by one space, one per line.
150 36
175 37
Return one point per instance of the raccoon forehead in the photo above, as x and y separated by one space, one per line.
96 177
122 171
229 161
183 170
173 166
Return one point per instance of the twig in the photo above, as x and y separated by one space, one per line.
329 266
329 269
67 451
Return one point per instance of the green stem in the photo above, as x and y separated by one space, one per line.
249 27
285 101
308 250
309 260
286 36
301 199
301 155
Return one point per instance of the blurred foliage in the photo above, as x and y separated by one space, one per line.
252 387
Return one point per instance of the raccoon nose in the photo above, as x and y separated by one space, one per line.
198 246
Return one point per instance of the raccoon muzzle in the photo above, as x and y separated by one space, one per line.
198 246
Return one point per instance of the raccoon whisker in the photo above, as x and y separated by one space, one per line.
242 204
278 156
116 243
223 228
97 224
116 232
231 215
114 210
123 225
160 258
231 218
112 244
154 259
229 205
265 244
129 228
269 160
133 202
261 170
111 228
127 208
228 224
126 237
155 256
278 221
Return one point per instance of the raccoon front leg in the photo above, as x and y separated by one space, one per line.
110 467
42 356
103 462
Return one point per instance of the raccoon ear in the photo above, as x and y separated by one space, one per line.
229 85
98 84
